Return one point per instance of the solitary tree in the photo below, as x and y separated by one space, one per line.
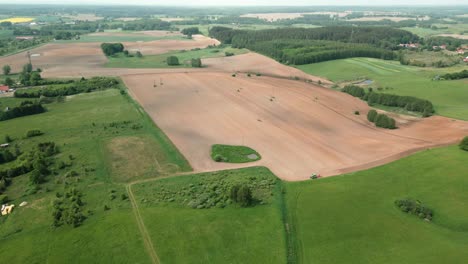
242 195
196 63
34 78
138 54
27 68
464 144
172 61
9 81
6 69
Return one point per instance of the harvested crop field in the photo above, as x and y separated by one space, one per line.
163 46
50 56
458 36
298 128
73 58
279 16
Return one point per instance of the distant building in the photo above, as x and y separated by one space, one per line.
460 51
25 38
465 59
409 45
4 145
4 88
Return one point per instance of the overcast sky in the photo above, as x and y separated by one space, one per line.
241 2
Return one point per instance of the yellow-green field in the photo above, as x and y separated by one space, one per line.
18 19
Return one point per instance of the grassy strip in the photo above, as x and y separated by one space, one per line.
233 154
159 61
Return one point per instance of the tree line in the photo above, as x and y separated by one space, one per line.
456 75
24 109
69 87
409 103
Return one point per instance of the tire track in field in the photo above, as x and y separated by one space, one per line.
141 226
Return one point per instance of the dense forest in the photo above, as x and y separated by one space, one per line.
308 45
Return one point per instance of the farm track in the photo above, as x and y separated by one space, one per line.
141 226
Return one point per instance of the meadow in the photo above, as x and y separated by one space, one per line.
159 61
86 128
224 233
352 218
448 97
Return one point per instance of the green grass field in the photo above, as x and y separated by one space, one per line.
352 218
216 235
89 127
233 154
448 97
159 61
426 32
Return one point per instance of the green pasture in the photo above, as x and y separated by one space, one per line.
352 218
159 61
448 97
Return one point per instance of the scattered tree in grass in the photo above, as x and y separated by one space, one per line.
138 54
196 63
242 195
8 139
464 144
6 69
229 54
172 61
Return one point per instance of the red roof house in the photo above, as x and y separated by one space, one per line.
4 88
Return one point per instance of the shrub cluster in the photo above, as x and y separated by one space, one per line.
110 49
34 133
26 108
381 120
69 88
68 209
190 31
415 208
456 75
464 144
217 190
37 162
6 156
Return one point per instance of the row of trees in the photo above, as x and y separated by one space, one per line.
70 88
409 103
26 108
381 120
456 75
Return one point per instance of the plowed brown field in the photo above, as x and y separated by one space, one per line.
298 128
